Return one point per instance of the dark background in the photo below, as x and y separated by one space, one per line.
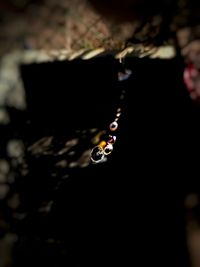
132 209
129 210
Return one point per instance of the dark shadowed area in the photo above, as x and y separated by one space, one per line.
140 206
